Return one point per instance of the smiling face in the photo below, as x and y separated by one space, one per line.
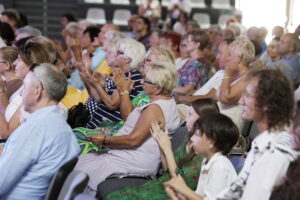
21 68
249 109
222 55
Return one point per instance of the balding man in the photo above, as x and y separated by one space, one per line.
288 48
42 143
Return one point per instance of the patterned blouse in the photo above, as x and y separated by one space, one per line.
193 73
100 112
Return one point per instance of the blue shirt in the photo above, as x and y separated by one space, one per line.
98 57
33 153
293 62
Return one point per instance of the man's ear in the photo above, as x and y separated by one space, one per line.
38 93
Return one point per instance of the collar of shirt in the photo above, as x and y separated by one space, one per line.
206 166
43 112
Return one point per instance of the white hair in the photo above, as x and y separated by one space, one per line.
133 50
27 31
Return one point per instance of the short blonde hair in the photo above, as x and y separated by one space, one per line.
162 76
163 54
243 48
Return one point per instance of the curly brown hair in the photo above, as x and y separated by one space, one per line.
274 93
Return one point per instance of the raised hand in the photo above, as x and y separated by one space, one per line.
122 83
161 137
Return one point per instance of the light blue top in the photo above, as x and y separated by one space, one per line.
98 57
33 153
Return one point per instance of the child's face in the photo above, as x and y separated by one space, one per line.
201 144
191 118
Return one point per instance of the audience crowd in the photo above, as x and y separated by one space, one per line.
119 100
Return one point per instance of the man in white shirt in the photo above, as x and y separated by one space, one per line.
209 89
268 101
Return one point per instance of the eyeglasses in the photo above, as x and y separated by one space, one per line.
143 81
120 52
32 67
147 60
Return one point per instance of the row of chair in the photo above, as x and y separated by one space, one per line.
217 4
121 16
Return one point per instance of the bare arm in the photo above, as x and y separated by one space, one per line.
179 186
231 93
138 135
183 90
189 99
163 140
6 128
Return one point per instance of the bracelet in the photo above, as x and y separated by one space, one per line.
103 143
124 92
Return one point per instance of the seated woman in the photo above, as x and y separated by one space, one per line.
214 136
194 73
11 83
240 60
184 158
104 101
31 53
134 150
154 55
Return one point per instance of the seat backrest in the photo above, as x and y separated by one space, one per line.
96 15
203 19
197 3
178 137
59 179
121 16
221 4
121 2
75 184
1 8
223 19
94 1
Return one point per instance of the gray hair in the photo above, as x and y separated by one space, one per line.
53 80
27 31
134 50
163 54
72 27
114 36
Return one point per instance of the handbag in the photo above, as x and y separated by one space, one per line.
78 116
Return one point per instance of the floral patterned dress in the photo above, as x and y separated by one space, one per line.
108 128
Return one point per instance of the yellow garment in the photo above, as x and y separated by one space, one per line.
104 68
74 96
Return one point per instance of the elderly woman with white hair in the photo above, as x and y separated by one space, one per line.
134 150
104 101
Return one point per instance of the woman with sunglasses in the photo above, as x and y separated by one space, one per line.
29 54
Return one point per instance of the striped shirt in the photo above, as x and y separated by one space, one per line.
100 112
